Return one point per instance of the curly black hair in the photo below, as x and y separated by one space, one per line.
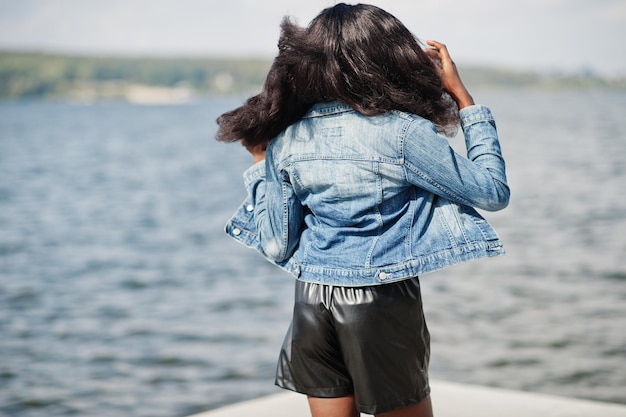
358 54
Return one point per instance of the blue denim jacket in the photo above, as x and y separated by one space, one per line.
351 200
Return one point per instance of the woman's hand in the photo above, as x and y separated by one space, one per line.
449 75
257 151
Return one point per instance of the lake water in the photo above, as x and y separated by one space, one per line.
120 295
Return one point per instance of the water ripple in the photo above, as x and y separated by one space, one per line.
119 291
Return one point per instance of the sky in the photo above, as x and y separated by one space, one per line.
555 35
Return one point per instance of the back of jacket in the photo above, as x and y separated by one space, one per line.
347 199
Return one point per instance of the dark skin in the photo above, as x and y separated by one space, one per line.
449 75
258 152
346 406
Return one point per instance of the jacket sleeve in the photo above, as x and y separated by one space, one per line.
271 218
478 180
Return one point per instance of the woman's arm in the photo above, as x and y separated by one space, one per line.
478 180
450 77
278 214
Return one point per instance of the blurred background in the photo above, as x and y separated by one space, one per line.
121 295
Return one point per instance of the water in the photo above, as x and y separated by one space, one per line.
120 294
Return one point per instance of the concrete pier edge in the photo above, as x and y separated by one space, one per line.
449 400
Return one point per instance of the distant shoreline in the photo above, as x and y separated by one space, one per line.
176 79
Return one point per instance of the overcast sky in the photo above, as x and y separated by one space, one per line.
565 35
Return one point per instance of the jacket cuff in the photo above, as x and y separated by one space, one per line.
475 114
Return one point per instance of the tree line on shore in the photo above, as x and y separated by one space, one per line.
45 75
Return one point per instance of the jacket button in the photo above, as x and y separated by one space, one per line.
249 207
383 276
236 232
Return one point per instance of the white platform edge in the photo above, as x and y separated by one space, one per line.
449 400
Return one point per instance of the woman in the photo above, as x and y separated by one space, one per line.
355 192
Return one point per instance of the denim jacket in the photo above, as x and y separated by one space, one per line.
352 200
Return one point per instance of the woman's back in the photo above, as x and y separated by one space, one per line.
342 165
356 200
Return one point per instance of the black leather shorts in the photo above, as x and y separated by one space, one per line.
368 341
